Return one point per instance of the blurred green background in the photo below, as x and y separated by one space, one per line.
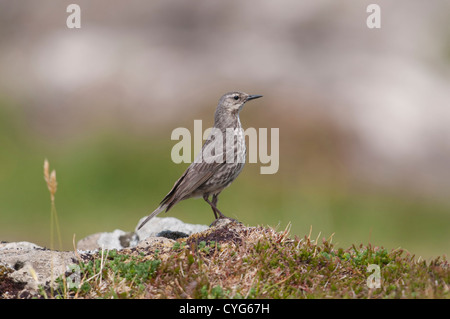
364 135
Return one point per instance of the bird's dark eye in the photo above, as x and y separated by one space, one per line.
236 97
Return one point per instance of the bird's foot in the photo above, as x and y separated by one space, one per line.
223 221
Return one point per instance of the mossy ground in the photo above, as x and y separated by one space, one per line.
235 261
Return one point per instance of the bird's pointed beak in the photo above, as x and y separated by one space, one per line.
252 97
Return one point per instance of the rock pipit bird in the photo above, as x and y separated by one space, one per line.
220 161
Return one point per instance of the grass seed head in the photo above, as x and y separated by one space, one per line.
50 179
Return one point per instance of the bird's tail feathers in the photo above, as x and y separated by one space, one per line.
153 214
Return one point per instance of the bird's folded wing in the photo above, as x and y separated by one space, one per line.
194 176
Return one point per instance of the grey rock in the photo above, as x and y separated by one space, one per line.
168 227
118 239
89 243
166 224
35 265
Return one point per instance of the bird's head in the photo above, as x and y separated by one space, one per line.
233 102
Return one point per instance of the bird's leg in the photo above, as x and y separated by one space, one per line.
215 198
213 206
205 197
